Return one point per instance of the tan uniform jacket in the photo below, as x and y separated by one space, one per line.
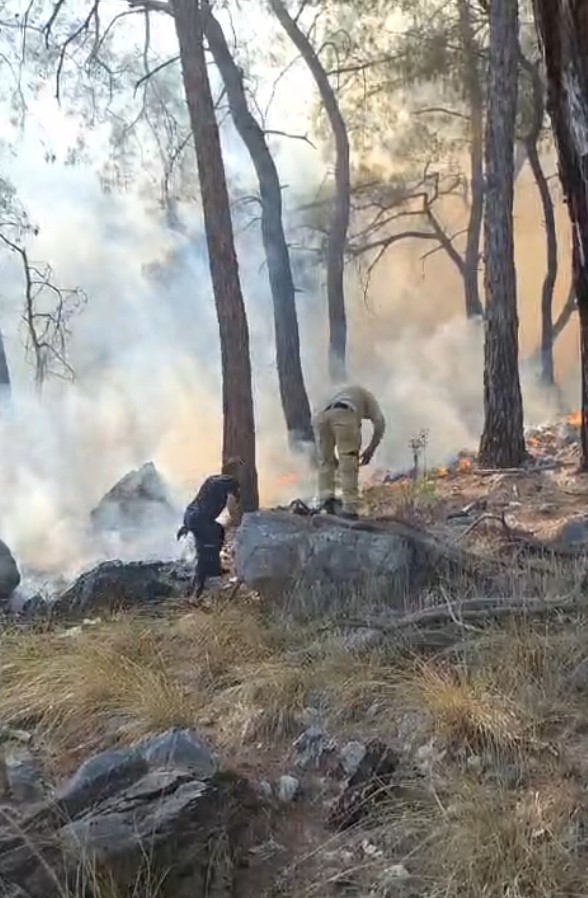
364 404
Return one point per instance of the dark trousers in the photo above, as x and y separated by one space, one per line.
209 537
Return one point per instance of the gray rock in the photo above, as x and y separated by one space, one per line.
312 745
312 564
351 757
114 585
24 775
138 500
9 573
99 778
574 533
180 749
105 774
288 788
117 814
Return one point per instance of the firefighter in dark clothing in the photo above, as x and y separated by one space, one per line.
200 519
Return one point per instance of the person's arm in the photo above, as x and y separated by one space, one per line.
376 416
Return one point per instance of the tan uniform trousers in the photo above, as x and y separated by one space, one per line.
338 428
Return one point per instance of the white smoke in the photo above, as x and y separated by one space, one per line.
146 351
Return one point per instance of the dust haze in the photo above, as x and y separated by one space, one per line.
146 354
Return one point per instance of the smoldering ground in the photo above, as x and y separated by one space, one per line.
146 355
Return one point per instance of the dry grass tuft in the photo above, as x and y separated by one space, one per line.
129 676
468 710
460 835
496 843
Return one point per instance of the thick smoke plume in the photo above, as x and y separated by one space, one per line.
145 351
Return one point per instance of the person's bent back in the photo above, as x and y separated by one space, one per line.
200 519
337 426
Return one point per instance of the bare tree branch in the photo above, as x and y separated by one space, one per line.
47 331
152 72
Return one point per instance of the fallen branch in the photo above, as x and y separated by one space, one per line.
536 469
527 542
469 611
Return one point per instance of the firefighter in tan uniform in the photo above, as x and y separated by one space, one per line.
337 425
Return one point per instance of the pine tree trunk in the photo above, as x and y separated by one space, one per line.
339 223
293 394
563 33
473 304
238 417
502 444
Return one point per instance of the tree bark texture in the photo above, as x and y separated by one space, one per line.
563 34
502 444
293 393
339 222
238 416
531 142
473 304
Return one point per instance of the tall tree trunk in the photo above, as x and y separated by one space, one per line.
502 444
291 380
531 142
238 417
563 33
473 304
340 209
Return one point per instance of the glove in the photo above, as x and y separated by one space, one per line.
366 457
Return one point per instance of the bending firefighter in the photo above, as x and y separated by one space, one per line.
337 426
200 519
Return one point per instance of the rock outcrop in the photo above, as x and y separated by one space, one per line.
9 573
277 553
317 564
158 812
138 500
114 585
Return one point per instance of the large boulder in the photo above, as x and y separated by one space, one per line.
131 816
138 500
114 585
9 573
284 556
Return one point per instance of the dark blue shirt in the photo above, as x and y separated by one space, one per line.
212 498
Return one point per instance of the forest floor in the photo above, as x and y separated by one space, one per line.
490 794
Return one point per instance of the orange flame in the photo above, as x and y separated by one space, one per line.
442 472
575 419
464 465
288 479
533 442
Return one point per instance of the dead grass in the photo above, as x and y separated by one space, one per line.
242 677
468 710
496 843
129 677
